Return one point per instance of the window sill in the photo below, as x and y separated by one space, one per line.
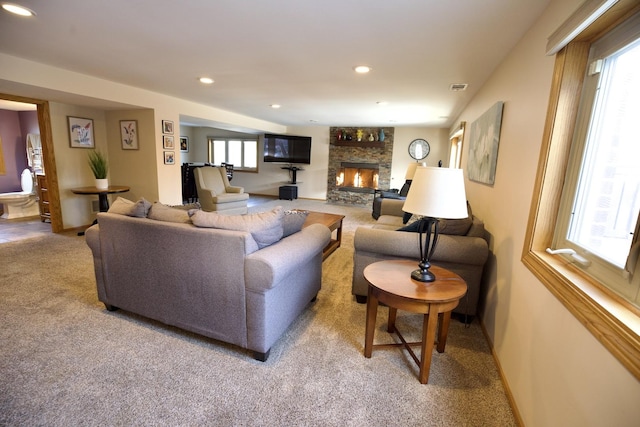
614 322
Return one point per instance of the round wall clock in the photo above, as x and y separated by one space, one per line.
419 149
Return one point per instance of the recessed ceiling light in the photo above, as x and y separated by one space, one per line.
18 10
206 80
362 69
382 102
275 105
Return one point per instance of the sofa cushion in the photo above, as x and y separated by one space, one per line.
265 227
293 221
454 227
124 206
161 212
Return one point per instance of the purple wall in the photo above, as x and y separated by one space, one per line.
14 127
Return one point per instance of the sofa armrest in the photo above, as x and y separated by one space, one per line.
392 207
267 267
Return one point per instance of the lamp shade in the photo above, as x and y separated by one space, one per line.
437 193
411 170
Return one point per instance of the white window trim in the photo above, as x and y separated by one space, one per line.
210 140
613 321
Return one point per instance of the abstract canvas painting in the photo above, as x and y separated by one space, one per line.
483 146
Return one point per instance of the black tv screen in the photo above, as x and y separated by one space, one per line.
287 149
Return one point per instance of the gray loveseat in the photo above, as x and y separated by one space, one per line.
463 254
210 281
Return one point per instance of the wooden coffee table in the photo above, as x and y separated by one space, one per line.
390 283
333 222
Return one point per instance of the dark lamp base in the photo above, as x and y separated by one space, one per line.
423 275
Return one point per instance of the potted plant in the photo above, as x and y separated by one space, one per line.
99 167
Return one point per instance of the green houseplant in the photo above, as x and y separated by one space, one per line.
99 166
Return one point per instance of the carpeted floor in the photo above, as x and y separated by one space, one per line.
65 360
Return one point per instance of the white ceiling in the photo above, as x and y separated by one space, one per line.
296 53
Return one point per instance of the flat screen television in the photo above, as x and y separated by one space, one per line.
287 149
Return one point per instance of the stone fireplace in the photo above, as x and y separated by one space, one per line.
358 168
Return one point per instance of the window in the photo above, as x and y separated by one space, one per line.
241 153
614 321
455 151
601 198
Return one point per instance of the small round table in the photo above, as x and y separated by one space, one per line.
390 283
102 193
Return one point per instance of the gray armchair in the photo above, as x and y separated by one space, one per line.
216 194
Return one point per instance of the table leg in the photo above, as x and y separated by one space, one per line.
103 202
372 311
428 339
391 324
443 330
339 234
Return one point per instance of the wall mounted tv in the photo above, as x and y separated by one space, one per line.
287 149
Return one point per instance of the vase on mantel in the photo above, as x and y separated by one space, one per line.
102 184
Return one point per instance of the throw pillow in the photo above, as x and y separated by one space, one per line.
161 212
124 206
265 227
293 222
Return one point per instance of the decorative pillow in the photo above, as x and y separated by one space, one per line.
161 212
124 206
265 227
293 222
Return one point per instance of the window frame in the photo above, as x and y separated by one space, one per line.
611 319
242 168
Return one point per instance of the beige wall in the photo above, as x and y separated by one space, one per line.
559 374
72 164
134 168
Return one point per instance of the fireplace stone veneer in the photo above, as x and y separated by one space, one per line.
370 158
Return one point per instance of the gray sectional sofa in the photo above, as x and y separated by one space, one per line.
215 282
464 252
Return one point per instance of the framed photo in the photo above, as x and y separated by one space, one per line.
129 134
184 144
169 157
167 142
167 127
483 147
81 132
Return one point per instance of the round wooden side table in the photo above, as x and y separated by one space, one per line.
390 283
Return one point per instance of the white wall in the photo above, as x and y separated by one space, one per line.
558 372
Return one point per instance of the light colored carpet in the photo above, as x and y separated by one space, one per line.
65 360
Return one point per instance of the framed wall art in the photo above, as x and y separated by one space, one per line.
169 157
167 127
81 132
129 134
167 142
184 144
483 145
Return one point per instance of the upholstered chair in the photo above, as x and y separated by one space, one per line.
216 194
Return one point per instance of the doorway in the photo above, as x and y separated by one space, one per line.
44 123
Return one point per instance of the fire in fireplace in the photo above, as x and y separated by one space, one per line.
357 177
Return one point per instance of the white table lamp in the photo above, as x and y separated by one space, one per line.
435 193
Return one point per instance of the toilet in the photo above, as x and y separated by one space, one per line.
23 203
